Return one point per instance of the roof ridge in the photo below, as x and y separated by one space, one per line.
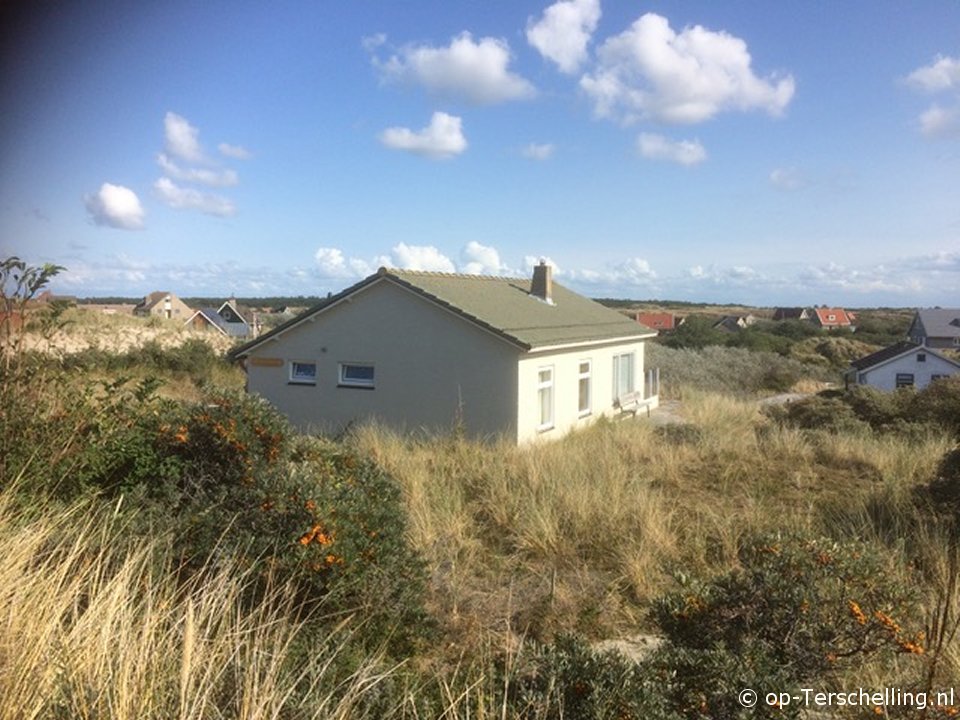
440 273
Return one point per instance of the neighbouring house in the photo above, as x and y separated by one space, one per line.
791 313
905 364
491 356
936 328
164 305
833 318
661 321
733 323
226 319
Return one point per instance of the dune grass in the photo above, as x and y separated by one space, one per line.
94 626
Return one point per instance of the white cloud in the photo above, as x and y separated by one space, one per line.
442 138
630 273
786 179
737 275
204 176
650 72
418 257
474 71
332 264
477 259
538 151
531 261
684 152
372 42
182 138
564 31
115 206
942 74
182 198
237 152
940 122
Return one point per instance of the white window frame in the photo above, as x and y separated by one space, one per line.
300 378
901 380
618 363
585 376
343 380
545 386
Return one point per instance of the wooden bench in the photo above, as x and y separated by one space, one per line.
631 402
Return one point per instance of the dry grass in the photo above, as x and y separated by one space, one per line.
582 533
93 627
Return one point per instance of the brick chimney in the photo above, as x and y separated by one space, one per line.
542 285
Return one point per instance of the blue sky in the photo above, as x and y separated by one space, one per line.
756 152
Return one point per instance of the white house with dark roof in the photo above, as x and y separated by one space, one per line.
432 351
226 320
905 364
936 328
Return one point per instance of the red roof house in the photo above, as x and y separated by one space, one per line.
831 318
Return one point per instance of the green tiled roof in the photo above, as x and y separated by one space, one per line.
502 305
505 306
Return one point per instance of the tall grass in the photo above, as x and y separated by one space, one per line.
94 626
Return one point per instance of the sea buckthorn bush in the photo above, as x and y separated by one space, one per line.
322 519
568 679
797 609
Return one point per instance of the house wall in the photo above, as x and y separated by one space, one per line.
430 367
566 387
178 309
884 376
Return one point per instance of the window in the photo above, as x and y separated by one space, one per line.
904 380
921 357
622 375
303 373
358 375
583 393
545 397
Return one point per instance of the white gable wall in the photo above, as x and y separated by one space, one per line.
884 375
430 367
566 386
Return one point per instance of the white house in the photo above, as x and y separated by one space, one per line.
936 327
905 364
419 350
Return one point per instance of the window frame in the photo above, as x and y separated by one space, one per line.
904 380
344 381
546 386
295 378
921 357
618 364
585 409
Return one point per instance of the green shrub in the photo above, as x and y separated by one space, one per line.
568 679
818 413
939 402
331 524
796 610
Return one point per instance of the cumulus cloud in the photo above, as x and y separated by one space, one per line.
477 259
942 74
115 206
204 176
418 257
940 122
442 138
331 263
683 152
182 138
473 71
563 32
632 272
651 72
182 198
538 151
237 152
